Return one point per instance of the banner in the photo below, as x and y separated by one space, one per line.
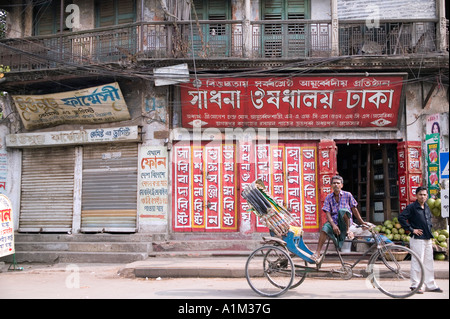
6 227
100 104
312 101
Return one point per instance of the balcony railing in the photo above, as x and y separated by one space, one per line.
269 39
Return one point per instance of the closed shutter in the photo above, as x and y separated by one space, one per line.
47 189
109 189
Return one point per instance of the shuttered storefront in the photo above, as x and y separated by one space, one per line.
47 189
109 188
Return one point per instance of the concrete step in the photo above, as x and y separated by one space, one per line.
100 237
79 248
84 246
76 257
209 246
205 245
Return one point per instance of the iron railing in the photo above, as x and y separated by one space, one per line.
222 39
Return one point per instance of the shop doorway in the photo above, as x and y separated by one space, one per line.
370 174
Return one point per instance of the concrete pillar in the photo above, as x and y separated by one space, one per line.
334 28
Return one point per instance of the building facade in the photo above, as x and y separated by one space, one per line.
150 116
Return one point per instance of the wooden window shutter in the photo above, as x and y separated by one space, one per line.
114 12
46 18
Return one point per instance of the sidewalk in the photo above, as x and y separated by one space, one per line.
225 267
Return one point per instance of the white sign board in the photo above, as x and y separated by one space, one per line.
6 227
444 203
88 136
153 185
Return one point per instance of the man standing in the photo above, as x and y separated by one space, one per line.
339 207
417 219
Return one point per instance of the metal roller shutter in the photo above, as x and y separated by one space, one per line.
109 190
47 189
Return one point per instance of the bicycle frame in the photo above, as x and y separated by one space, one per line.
296 246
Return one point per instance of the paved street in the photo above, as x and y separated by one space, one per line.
92 281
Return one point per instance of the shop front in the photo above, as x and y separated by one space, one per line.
281 130
77 179
81 180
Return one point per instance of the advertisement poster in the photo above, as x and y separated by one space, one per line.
432 143
6 227
153 185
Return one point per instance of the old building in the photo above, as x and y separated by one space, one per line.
150 116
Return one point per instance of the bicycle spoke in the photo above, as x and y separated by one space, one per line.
390 271
269 271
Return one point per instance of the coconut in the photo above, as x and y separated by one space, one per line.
443 232
439 256
436 211
443 244
437 203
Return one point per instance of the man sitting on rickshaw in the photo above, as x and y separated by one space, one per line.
339 206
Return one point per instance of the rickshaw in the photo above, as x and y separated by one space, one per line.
271 271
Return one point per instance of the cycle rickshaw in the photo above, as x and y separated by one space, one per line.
271 271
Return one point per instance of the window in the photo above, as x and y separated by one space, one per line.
114 12
46 18
284 39
214 38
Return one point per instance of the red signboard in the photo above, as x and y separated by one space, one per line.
312 101
409 171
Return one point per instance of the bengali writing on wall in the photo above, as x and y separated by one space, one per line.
6 227
204 194
409 155
207 179
314 101
153 184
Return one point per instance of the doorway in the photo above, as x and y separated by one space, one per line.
370 174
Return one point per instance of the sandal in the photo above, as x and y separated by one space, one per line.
316 259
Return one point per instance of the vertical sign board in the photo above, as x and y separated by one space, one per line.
443 162
432 144
153 185
6 227
309 167
294 181
246 168
409 171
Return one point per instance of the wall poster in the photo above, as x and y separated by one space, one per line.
6 227
153 185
